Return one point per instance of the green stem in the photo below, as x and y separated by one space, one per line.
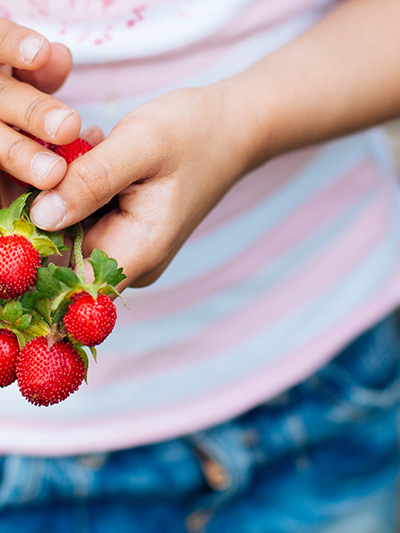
77 252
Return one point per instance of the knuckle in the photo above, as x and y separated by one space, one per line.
4 86
35 108
5 36
13 152
94 180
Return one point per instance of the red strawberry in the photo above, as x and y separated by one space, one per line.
19 262
90 320
73 150
49 375
9 351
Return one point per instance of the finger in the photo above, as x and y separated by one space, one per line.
44 116
132 245
145 231
92 135
28 160
52 75
129 153
22 47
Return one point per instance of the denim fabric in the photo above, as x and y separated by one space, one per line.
322 457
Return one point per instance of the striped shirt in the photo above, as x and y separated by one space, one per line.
297 259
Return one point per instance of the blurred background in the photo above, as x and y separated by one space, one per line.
393 128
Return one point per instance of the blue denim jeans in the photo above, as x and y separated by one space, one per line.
321 457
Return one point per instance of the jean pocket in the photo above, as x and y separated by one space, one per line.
2 460
365 378
227 461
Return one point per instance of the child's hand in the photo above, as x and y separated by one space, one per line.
169 162
32 67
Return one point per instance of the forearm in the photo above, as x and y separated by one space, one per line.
340 76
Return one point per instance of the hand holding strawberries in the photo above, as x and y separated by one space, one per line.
168 163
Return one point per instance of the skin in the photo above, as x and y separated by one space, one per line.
170 161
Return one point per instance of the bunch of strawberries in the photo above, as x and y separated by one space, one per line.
49 313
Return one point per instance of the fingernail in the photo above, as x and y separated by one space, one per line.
87 132
42 164
29 48
55 118
49 211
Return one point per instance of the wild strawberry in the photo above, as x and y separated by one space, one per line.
9 351
73 150
90 320
19 262
49 375
21 247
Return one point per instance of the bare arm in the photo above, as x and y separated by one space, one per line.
340 76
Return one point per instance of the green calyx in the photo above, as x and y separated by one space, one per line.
56 286
106 273
24 322
15 220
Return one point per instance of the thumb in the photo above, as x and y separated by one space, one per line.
125 156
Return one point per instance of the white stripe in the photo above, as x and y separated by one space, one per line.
165 27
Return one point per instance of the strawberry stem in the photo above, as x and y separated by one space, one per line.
77 253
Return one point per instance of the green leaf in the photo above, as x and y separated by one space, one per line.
12 311
24 228
60 308
37 328
42 308
67 276
105 269
24 322
56 238
21 337
44 246
108 290
62 301
47 283
83 354
29 300
93 351
9 214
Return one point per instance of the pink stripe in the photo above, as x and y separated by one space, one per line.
122 431
307 283
324 206
90 84
255 187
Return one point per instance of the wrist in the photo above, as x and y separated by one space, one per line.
245 128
